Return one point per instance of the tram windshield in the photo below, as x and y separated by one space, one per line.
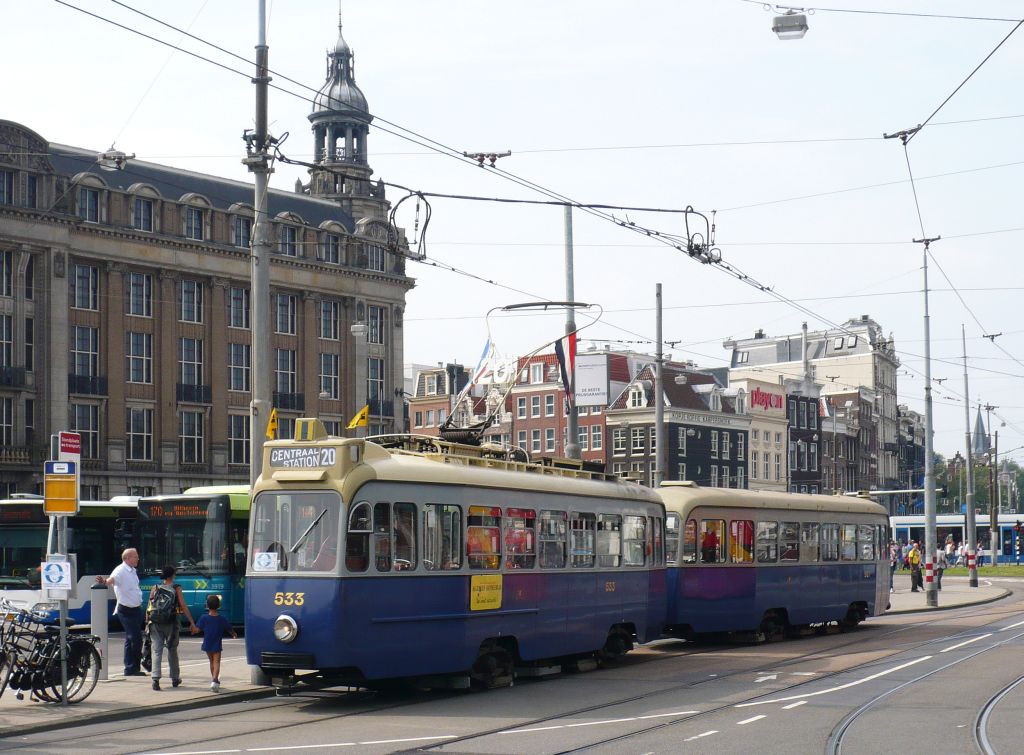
294 531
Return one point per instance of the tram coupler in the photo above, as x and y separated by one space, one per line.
283 684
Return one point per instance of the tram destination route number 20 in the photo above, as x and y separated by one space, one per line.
303 457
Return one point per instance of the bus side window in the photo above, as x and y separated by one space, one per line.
671 538
483 537
741 541
357 540
405 536
809 550
442 537
712 541
382 536
581 530
552 539
690 542
767 542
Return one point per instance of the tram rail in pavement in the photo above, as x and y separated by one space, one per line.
122 698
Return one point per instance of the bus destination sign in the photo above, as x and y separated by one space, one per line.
174 510
303 457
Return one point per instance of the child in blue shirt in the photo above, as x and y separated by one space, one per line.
214 627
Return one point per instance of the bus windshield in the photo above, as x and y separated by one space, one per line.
190 534
294 531
21 552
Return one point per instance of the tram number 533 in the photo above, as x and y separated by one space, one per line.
289 598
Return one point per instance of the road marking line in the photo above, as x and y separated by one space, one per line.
966 642
668 715
705 734
803 673
751 720
1012 626
408 739
300 747
196 752
528 731
794 705
835 689
599 723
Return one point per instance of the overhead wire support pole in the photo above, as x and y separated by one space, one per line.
930 593
972 531
993 508
258 161
572 441
659 402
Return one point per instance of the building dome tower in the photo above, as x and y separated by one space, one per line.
341 122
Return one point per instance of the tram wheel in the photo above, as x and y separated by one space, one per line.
618 643
494 667
854 616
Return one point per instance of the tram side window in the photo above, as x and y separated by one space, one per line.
382 536
636 539
866 542
712 541
830 542
809 550
483 537
552 539
789 541
849 542
672 538
405 536
690 542
581 531
357 540
656 526
767 542
442 537
520 542
609 540
741 541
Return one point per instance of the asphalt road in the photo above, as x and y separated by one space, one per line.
915 683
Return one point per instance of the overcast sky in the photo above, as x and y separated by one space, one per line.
647 104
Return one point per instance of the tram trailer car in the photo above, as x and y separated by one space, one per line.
765 562
454 561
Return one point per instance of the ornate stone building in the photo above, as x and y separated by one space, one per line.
125 306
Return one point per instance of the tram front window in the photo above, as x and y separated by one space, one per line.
294 531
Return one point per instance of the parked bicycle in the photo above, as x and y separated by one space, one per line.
30 658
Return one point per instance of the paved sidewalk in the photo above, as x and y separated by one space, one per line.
955 593
122 697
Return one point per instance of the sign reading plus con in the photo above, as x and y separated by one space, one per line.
766 400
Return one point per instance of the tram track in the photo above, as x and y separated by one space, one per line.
981 723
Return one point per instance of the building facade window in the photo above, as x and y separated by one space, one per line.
286 307
85 420
549 405
521 440
139 432
6 421
142 214
85 287
284 370
31 192
636 398
636 444
753 464
536 373
376 324
238 439
725 445
549 439
238 307
6 341
89 204
535 441
6 187
139 294
778 467
241 231
619 441
288 240
139 357
792 455
792 413
583 438
30 344
332 249
375 257
239 358
803 414
767 462
740 447
714 476
534 406
740 478
812 450
681 471
596 438
85 351
714 444
6 273
191 438
190 361
191 309
329 375
375 380
194 219
521 407
330 319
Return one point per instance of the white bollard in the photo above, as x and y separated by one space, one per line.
99 620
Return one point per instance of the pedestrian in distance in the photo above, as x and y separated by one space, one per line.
894 560
914 559
166 603
214 627
128 610
940 566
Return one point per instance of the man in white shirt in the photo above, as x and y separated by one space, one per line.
125 581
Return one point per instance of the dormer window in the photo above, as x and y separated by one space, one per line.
89 204
288 240
142 214
838 343
637 398
194 223
241 231
536 373
431 385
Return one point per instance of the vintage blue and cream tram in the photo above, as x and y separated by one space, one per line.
764 562
416 558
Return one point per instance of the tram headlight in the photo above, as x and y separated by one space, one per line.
285 628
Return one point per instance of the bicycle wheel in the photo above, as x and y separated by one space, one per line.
83 670
6 666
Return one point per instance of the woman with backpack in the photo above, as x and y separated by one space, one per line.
165 603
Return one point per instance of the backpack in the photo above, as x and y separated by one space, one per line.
163 606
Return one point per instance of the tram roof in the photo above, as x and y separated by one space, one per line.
691 494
